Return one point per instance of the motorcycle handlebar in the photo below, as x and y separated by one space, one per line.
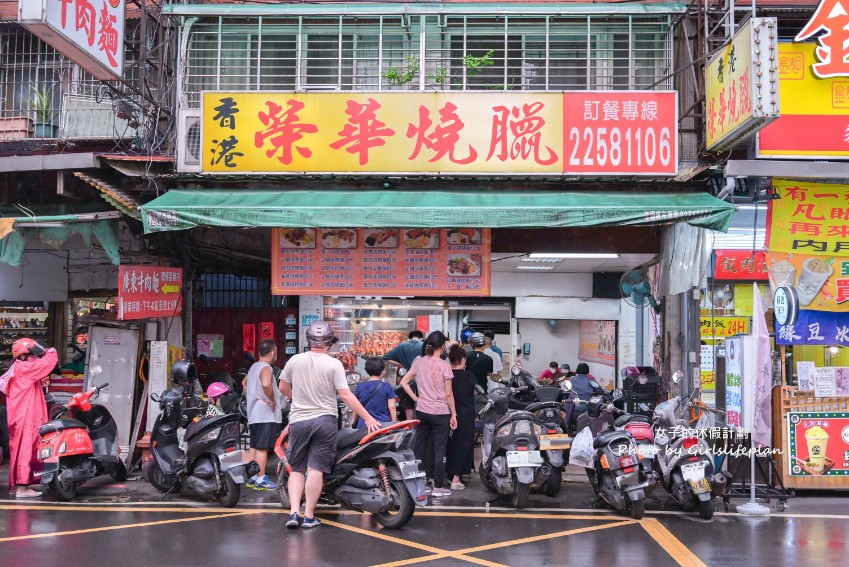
98 388
486 407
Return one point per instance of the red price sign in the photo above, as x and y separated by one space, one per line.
632 132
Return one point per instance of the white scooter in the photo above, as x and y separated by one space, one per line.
685 464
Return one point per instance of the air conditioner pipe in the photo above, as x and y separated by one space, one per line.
730 183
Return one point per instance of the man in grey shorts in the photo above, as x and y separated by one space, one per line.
311 380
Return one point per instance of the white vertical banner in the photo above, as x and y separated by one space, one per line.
734 382
158 378
762 395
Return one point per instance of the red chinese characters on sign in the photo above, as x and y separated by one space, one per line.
516 133
735 100
284 129
739 265
443 139
98 27
363 131
149 291
832 18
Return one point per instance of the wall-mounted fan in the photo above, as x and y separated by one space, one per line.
635 288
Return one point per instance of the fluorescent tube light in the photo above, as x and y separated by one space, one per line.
546 268
592 255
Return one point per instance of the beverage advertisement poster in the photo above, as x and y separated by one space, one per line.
818 443
822 282
381 261
597 342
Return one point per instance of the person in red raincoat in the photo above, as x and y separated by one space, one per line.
27 410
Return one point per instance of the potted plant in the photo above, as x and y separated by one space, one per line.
42 104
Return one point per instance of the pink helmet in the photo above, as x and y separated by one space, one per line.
217 389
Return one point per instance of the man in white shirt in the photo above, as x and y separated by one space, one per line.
311 380
497 365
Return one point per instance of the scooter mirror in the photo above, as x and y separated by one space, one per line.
566 385
617 393
203 358
677 377
643 379
95 371
517 369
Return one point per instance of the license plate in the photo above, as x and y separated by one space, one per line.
524 459
647 451
693 471
410 469
554 441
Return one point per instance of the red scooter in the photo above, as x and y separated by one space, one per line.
81 446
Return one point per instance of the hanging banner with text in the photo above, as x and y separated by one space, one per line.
808 218
597 132
723 327
740 265
815 328
821 282
818 443
389 261
149 291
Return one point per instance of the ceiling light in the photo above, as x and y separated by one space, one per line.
593 255
543 260
534 267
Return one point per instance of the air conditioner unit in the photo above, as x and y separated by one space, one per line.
188 140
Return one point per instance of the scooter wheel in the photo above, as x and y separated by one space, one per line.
706 509
64 490
402 507
638 509
157 477
119 472
521 494
229 497
554 482
485 479
283 489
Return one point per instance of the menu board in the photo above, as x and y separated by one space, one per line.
381 261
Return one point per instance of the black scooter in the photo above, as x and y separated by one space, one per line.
553 438
211 464
511 460
373 472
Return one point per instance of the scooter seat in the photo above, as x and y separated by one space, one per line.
608 436
515 416
59 425
348 437
629 418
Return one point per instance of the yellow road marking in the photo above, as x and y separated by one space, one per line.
186 510
520 516
383 536
671 544
126 526
532 539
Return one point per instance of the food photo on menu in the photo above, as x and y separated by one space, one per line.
464 265
339 238
297 238
464 236
380 237
421 238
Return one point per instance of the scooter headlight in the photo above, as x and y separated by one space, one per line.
45 453
210 435
62 448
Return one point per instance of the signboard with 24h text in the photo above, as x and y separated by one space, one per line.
500 133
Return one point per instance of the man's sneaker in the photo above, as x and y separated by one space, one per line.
310 523
294 521
265 484
428 486
438 492
250 483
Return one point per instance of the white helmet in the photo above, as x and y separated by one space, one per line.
320 334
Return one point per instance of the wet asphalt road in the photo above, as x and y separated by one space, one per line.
127 525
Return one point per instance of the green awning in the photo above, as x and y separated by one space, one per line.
187 208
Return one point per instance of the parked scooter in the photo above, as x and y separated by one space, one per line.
373 472
554 441
617 475
210 464
81 446
640 428
511 460
685 463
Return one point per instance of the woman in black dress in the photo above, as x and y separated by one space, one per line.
461 445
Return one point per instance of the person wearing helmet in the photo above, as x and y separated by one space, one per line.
312 380
465 335
222 397
478 362
27 410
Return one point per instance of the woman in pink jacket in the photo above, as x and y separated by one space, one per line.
27 410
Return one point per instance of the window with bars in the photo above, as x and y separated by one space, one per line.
229 290
624 52
45 95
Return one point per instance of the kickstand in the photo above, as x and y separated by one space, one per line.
164 496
